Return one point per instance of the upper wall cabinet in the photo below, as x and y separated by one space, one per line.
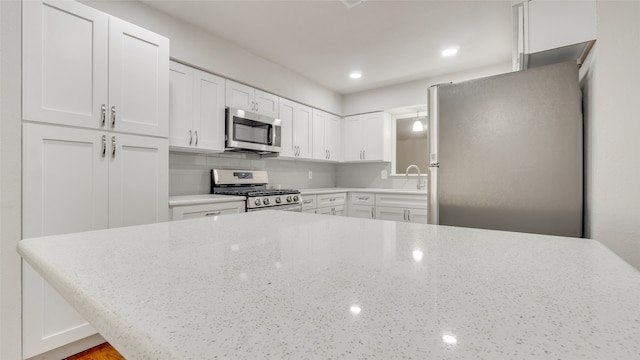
367 137
547 32
84 68
327 144
196 111
249 99
297 130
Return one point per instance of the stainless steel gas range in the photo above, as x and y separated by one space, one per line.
252 184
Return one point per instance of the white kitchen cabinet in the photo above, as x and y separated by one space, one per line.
361 205
309 203
197 114
402 207
206 210
401 214
367 137
73 181
297 130
331 204
138 180
327 136
245 97
84 68
547 32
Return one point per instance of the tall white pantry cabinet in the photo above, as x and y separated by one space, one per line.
95 148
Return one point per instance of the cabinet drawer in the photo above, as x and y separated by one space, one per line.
331 200
356 198
197 211
309 202
401 200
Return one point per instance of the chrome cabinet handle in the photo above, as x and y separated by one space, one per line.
373 216
215 213
364 154
409 215
329 154
113 116
306 201
103 115
190 138
404 214
104 145
196 137
113 146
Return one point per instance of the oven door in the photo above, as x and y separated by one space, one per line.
250 131
287 207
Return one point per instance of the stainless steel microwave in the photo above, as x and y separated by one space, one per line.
251 132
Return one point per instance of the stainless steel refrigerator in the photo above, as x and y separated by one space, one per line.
506 152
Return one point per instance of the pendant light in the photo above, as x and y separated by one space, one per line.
417 125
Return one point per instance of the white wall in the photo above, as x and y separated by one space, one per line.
10 180
209 52
411 93
190 174
612 119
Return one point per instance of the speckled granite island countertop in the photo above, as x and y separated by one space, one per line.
282 285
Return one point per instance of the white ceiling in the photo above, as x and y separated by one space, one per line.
389 41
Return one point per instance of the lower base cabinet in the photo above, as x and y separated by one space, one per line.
325 204
80 180
401 214
206 210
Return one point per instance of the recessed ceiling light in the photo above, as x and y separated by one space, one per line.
355 75
449 52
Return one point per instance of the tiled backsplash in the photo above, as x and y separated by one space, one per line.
190 174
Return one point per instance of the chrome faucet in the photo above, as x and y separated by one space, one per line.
420 184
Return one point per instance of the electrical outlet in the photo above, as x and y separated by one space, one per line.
383 174
310 174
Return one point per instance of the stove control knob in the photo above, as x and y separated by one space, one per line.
265 201
278 201
288 198
258 202
295 198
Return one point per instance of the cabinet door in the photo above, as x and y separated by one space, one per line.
64 191
240 96
319 124
138 180
417 216
266 104
208 111
390 213
362 211
333 137
65 63
353 147
303 131
287 110
180 106
138 80
376 137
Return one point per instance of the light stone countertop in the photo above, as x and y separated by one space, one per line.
284 285
362 190
183 200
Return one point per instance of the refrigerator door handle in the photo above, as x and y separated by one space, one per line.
432 195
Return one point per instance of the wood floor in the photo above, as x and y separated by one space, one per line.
100 352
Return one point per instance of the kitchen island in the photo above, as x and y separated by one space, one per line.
282 285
